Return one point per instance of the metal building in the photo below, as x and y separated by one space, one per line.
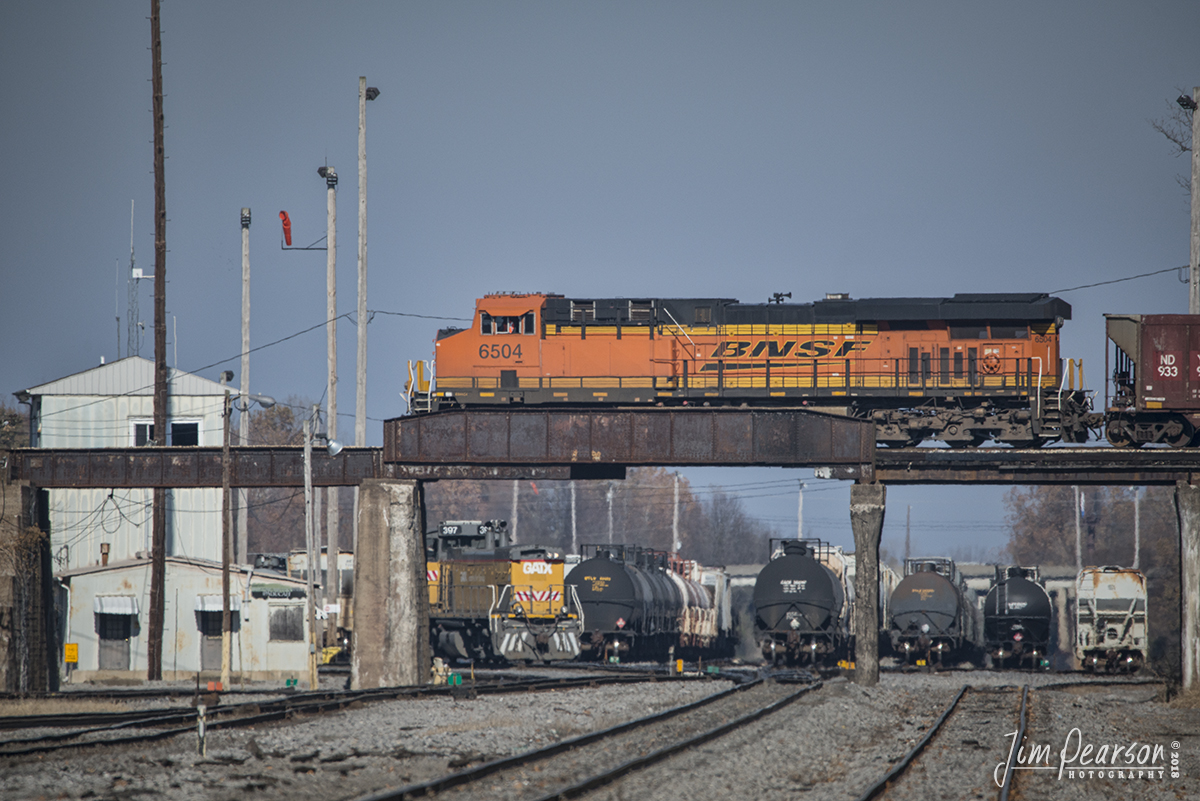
105 616
112 406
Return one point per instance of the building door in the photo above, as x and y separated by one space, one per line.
209 624
114 632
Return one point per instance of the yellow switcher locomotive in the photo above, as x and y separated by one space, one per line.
490 600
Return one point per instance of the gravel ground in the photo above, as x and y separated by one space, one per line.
340 755
830 744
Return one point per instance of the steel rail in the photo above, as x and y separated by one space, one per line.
1008 769
488 768
878 787
637 763
227 717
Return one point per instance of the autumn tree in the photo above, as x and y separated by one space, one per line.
275 515
1042 520
14 427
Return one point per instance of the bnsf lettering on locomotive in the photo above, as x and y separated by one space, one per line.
530 568
773 349
815 348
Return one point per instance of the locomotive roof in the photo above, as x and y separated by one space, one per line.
1025 307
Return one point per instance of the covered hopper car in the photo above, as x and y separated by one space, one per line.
1110 619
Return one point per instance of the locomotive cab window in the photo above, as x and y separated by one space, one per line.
507 324
968 332
1010 332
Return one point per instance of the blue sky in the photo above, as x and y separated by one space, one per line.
649 149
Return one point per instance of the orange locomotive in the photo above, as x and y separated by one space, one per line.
961 370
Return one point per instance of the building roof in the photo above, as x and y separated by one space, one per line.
133 375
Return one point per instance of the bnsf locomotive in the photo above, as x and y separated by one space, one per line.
960 370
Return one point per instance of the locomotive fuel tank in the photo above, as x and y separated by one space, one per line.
1016 617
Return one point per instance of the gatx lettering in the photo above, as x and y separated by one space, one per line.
531 568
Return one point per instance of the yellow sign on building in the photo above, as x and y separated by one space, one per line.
71 652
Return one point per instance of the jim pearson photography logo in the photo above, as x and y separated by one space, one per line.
1079 759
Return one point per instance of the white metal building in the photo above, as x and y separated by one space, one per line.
107 610
112 406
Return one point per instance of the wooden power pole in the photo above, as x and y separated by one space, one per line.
159 542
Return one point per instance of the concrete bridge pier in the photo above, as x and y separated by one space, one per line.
1187 506
867 505
391 601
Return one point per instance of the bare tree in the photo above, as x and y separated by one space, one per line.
1176 126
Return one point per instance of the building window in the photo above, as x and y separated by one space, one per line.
142 432
182 432
185 433
287 623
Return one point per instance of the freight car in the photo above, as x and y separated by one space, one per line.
931 619
1110 619
802 606
1016 618
960 370
1155 379
490 600
642 604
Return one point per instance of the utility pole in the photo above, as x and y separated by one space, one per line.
1194 285
226 534
514 516
1078 531
1137 526
908 534
309 539
574 537
360 389
609 495
331 498
243 537
800 512
158 561
675 519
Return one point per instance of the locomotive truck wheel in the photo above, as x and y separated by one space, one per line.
1118 434
1184 436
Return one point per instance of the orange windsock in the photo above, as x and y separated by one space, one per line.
287 227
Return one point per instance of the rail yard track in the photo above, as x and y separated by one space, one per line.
957 728
106 728
574 767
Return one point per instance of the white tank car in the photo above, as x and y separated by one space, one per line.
1110 619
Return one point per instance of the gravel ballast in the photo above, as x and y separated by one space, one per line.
829 744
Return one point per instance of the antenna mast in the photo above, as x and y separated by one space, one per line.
133 339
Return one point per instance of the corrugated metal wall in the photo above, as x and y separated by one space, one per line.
80 520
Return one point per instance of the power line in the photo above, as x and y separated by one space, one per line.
1118 280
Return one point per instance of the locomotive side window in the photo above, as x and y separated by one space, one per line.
703 315
523 323
968 332
1010 332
